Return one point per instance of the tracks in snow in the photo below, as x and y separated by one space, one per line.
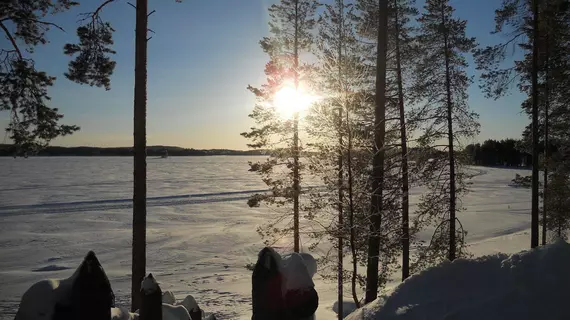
118 204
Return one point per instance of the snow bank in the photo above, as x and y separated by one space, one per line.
528 285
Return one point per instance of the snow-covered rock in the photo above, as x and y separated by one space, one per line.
190 303
54 298
527 285
295 272
121 313
174 312
168 297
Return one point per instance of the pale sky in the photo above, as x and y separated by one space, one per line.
201 59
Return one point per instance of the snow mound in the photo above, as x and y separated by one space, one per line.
295 272
527 285
121 313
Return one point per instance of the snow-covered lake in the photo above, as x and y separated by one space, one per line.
201 233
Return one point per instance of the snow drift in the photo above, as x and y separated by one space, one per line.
528 285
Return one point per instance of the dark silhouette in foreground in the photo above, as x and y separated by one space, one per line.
282 289
87 295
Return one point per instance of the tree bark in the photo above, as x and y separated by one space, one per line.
296 178
340 279
351 211
451 253
139 136
535 164
546 124
340 219
404 146
378 158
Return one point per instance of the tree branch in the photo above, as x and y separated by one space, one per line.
12 40
96 13
46 23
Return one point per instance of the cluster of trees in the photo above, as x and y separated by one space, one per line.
392 109
151 151
507 152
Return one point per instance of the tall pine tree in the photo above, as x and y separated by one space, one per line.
290 26
444 118
93 66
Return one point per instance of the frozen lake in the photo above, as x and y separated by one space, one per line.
201 232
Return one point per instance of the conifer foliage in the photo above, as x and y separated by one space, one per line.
291 25
23 88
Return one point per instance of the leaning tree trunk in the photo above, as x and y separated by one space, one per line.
534 186
451 253
139 135
404 146
378 158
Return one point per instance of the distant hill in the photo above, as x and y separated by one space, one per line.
152 151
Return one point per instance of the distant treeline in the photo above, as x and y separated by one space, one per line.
507 152
152 151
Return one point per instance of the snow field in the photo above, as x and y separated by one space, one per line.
201 233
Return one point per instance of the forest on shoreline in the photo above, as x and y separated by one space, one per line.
152 151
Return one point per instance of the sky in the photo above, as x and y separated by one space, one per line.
201 58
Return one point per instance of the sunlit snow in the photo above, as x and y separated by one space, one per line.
201 233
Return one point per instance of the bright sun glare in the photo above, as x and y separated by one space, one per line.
289 101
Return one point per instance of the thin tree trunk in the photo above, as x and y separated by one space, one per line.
546 124
351 211
535 164
340 170
340 218
378 158
296 178
451 254
404 142
139 174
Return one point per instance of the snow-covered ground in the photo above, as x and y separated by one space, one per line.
201 233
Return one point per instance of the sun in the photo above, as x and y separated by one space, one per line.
290 101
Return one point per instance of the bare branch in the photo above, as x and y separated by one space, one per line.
153 11
14 44
132 5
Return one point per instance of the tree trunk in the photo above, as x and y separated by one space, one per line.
404 146
378 158
139 175
340 219
451 254
340 171
535 164
296 178
351 211
546 124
